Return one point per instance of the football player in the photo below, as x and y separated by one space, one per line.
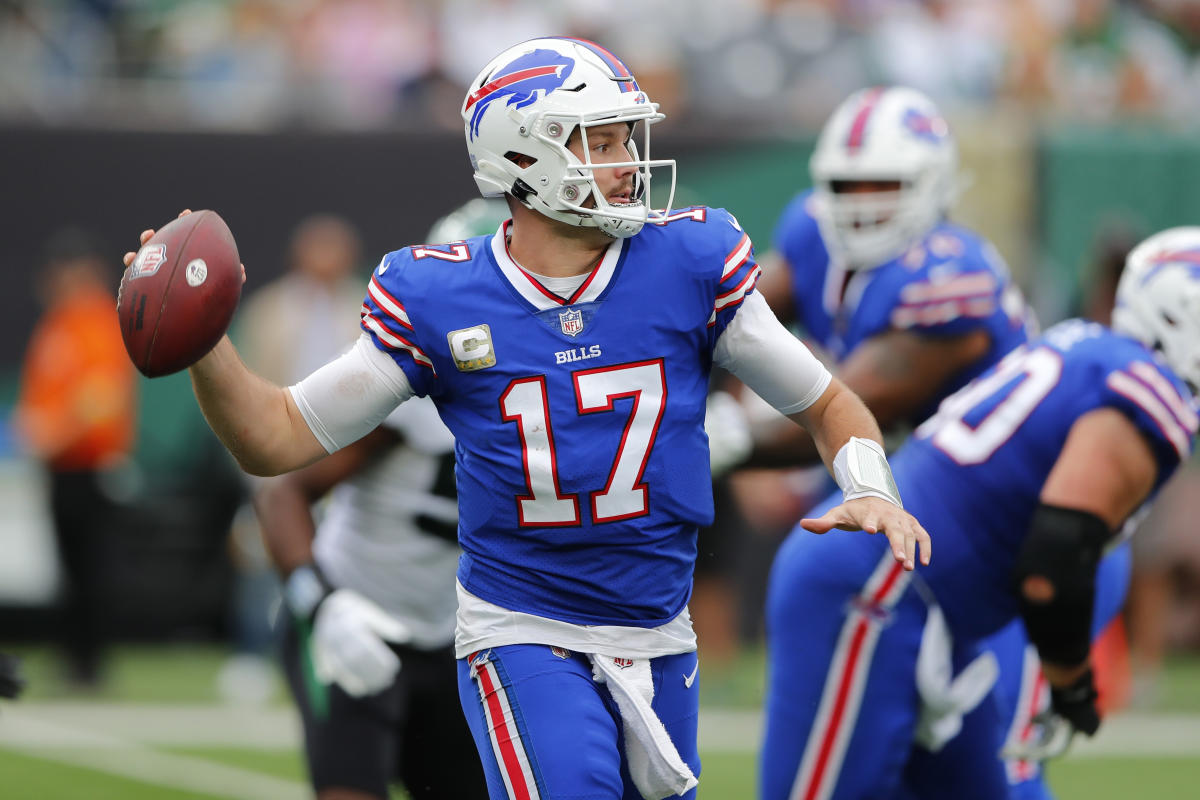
1025 476
372 601
910 305
569 354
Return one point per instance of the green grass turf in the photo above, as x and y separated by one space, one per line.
276 763
730 776
726 776
174 673
30 778
1118 778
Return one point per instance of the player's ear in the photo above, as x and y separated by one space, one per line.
520 159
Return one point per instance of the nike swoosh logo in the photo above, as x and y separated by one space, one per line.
688 680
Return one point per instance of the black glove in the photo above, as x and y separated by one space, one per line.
1077 703
11 680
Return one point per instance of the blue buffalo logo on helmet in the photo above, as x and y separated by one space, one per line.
929 127
1190 258
524 81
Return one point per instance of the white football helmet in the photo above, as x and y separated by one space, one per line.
475 217
883 134
1158 299
528 101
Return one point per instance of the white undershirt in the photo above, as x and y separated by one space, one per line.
563 287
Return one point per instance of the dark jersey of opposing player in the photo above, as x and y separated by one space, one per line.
973 472
951 284
581 458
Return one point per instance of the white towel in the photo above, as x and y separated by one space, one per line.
655 765
946 697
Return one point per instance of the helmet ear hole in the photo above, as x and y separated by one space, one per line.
520 159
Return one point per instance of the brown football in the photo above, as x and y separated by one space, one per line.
179 294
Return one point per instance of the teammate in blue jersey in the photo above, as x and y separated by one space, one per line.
910 305
1024 476
569 354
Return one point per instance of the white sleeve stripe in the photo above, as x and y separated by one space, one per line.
1126 385
396 342
739 292
1167 393
942 313
965 297
924 291
388 303
738 257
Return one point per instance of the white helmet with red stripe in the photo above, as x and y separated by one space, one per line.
1158 299
882 136
528 101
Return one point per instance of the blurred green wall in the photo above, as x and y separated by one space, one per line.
1090 180
1041 197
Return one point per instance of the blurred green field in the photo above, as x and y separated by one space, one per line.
56 744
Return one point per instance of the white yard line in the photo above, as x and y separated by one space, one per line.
125 740
87 740
1127 734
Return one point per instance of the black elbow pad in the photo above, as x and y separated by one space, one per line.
1055 580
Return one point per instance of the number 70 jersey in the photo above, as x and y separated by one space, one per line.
973 472
581 460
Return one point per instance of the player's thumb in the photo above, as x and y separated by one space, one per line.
819 525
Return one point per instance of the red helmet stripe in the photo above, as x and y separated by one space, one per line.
859 126
507 80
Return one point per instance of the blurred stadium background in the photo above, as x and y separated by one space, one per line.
1077 121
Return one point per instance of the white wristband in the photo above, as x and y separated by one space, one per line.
861 470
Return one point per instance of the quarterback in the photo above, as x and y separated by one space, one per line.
569 354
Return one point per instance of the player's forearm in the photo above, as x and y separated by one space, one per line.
256 421
285 519
833 419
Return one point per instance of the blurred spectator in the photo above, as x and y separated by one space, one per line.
953 50
1171 52
285 330
362 59
1080 58
767 62
296 323
76 414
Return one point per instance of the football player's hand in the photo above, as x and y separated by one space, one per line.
1076 703
728 431
349 643
876 515
147 234
1050 736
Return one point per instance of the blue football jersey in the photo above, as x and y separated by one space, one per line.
581 458
950 284
975 469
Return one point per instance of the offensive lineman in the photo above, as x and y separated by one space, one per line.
1025 476
911 306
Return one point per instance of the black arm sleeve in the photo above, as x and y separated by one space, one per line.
1055 579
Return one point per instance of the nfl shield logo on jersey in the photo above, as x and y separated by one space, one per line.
571 322
623 663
